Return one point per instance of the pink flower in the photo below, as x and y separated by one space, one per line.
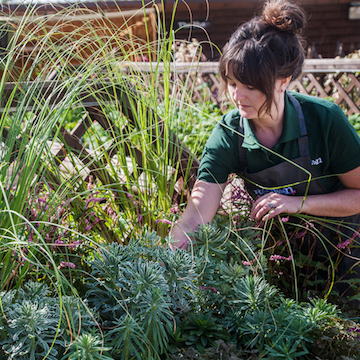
300 234
138 218
285 219
64 264
131 197
278 272
89 186
163 221
34 212
174 210
279 257
344 244
248 262
142 59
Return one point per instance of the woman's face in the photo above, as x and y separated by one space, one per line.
247 99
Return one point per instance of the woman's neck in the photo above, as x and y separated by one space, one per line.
268 128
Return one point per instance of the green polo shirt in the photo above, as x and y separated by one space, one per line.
333 143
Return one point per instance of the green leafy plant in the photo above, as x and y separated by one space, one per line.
137 290
31 324
87 347
221 350
36 325
354 120
254 293
194 123
31 328
201 330
286 349
209 239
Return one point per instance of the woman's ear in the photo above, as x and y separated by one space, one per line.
283 83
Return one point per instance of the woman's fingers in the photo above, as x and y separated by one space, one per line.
272 204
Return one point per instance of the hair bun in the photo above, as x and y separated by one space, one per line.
284 16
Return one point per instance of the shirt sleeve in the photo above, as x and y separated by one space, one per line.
344 143
220 155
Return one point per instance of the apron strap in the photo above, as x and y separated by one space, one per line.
303 141
242 150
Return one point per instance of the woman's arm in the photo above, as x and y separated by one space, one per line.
344 202
201 208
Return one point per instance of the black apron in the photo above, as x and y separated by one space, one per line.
288 179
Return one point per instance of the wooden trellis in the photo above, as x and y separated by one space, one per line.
338 79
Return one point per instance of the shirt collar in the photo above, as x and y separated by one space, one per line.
291 128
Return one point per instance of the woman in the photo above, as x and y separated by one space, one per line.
271 126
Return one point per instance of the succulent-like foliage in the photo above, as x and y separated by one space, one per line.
209 240
254 293
201 330
87 347
180 276
127 338
36 325
146 297
32 329
140 295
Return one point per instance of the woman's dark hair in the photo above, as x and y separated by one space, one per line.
265 49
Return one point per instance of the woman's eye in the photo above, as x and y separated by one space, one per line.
232 85
251 88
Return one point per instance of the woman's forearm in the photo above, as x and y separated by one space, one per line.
341 203
201 208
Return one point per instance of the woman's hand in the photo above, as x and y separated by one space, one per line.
201 208
344 202
273 204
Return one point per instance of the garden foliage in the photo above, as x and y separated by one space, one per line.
85 266
144 300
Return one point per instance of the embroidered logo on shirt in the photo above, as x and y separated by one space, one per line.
285 191
317 161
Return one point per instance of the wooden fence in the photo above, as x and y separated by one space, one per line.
117 31
338 79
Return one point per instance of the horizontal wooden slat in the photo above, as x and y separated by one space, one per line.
317 79
310 65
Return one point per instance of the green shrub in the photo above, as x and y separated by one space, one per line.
36 325
355 122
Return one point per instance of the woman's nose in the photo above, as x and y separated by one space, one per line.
239 94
